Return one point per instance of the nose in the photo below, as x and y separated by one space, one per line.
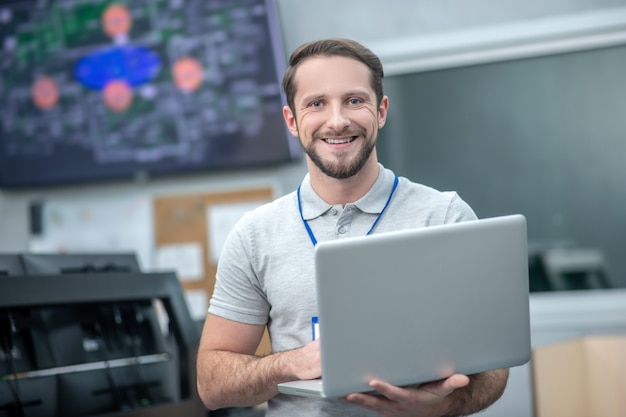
337 119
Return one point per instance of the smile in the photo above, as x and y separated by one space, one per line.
339 141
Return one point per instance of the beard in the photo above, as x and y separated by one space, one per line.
343 168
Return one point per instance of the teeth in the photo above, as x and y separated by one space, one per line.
338 141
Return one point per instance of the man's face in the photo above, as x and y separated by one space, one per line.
336 117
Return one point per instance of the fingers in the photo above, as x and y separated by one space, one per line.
390 391
394 400
440 389
446 386
376 403
304 362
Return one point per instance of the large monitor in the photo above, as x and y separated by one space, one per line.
114 344
95 90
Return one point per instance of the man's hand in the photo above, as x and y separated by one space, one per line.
427 400
305 362
229 373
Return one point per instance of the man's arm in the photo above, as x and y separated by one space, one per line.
483 390
458 395
229 375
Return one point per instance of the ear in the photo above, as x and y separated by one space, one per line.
290 120
382 111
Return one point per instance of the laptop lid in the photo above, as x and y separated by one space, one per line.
419 305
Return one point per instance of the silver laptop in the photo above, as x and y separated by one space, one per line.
419 305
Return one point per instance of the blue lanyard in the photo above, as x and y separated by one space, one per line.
310 232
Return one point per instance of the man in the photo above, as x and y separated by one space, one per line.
265 273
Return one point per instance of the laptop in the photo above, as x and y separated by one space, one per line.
419 305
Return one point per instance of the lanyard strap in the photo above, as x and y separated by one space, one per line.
310 232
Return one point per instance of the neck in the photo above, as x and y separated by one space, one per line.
344 191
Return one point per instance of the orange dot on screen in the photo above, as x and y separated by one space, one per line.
116 20
188 74
117 95
45 93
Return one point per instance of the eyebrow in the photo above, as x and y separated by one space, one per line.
312 97
351 93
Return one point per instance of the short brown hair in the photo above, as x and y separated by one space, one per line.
333 47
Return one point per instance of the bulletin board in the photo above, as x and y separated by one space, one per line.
181 220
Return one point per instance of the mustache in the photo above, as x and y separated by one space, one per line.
347 134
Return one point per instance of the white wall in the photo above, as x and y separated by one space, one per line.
14 206
396 19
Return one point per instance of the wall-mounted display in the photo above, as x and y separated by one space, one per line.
95 90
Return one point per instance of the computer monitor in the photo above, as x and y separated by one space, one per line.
79 263
10 264
98 90
98 344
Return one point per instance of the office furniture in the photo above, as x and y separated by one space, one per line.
11 264
83 344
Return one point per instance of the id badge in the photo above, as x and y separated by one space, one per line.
315 327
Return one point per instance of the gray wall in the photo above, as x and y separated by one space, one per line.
545 137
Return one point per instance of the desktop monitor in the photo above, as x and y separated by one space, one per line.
99 90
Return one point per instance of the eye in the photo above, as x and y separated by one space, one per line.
354 101
316 103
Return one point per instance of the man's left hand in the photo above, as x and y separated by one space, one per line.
427 400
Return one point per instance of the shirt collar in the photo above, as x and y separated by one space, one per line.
372 202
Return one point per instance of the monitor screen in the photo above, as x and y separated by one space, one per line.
95 90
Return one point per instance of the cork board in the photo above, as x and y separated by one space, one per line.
183 220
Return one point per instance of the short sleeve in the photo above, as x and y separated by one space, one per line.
237 294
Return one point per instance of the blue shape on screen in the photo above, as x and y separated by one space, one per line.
134 64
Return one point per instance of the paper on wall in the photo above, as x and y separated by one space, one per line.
221 219
197 303
185 259
97 224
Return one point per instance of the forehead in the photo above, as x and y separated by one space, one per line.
331 74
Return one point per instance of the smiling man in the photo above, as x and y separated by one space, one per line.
265 273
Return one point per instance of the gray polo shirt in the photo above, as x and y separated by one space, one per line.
265 272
